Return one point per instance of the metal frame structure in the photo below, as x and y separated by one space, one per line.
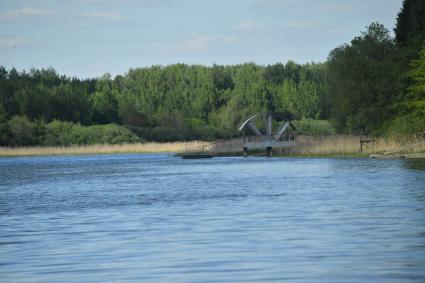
268 140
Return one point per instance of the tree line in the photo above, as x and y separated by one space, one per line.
374 84
163 103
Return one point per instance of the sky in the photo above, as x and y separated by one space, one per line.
88 38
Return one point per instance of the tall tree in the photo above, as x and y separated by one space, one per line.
104 104
363 80
410 33
410 26
412 108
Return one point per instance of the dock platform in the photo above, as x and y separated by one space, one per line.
196 156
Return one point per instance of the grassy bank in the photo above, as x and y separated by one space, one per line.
337 145
324 146
330 146
349 146
172 147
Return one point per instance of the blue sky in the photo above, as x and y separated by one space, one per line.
87 38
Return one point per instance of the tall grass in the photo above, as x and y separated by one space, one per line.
337 145
152 147
334 145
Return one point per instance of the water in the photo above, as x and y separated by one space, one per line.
158 218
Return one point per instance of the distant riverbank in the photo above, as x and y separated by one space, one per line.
307 146
150 147
330 146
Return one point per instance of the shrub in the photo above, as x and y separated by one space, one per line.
5 134
105 134
314 127
21 131
169 134
406 126
67 133
60 133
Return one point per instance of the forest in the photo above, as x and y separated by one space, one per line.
373 85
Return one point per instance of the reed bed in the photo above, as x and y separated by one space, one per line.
151 147
338 145
335 145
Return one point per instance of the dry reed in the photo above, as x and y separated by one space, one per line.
338 145
152 147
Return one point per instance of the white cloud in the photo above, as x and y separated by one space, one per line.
99 15
27 12
11 41
300 24
205 41
323 6
247 26
145 3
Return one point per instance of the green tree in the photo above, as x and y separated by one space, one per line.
190 99
9 83
412 108
4 128
33 101
308 100
410 26
286 99
275 74
104 104
409 35
363 81
21 130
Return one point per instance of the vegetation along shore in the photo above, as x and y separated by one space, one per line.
152 147
307 146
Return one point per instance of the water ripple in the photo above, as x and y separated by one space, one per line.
158 218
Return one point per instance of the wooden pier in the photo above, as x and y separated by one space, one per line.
196 156
283 136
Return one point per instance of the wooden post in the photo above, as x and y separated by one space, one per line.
269 133
363 140
269 125
245 149
269 151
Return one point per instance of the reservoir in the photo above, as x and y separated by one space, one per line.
160 218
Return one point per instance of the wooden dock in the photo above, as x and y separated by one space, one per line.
196 156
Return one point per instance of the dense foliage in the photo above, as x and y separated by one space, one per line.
177 102
410 26
374 84
410 40
23 132
364 80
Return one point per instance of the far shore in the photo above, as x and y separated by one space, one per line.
307 146
150 147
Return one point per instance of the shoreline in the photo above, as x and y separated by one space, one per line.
336 146
69 151
150 147
72 151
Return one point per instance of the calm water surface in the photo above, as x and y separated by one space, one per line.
158 218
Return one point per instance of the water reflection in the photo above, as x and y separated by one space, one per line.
415 164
